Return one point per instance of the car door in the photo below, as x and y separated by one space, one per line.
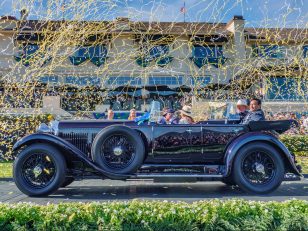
172 142
215 138
196 143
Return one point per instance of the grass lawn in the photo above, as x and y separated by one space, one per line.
303 161
6 167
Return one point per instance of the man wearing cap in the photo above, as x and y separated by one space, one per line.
167 117
242 106
186 115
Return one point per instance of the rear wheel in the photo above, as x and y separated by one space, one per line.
258 168
39 170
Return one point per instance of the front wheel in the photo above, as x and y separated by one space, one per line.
39 170
258 168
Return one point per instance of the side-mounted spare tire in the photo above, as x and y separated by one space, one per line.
118 149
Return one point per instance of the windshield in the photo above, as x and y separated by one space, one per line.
155 111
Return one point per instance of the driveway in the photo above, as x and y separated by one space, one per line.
108 190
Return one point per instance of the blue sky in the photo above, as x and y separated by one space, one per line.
265 13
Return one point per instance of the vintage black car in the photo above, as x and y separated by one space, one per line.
248 155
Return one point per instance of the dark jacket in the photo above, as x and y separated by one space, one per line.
254 116
172 121
243 115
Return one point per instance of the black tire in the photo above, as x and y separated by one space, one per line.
67 181
229 181
258 168
41 159
118 143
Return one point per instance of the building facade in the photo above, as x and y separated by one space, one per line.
212 61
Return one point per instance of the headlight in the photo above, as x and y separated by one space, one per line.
54 126
43 128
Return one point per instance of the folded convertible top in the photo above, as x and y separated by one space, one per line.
279 126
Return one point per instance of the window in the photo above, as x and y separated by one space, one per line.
49 79
122 80
200 80
83 81
158 51
207 51
91 51
305 51
270 51
168 80
287 88
30 49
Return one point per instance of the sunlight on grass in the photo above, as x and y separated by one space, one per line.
6 169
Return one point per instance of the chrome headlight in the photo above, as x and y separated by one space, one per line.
43 128
54 126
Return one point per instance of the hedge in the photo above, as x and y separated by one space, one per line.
155 215
296 143
14 127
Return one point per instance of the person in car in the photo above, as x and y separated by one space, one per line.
255 113
110 114
186 115
132 114
168 117
242 108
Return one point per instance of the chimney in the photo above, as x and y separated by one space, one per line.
24 14
236 26
122 23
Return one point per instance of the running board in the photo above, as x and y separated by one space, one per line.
174 175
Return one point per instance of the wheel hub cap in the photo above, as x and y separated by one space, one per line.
260 168
37 171
117 151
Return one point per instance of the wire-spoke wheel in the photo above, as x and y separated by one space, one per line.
118 149
258 168
39 170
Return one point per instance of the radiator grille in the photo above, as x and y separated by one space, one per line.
82 140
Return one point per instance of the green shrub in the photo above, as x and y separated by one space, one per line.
296 144
14 127
154 215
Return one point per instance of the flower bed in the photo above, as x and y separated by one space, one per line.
154 215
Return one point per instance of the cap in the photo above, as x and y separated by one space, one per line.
242 102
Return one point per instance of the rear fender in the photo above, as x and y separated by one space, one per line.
63 145
242 140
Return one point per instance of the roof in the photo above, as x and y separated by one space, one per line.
178 28
280 35
125 26
8 17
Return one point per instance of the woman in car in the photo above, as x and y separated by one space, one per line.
132 114
186 115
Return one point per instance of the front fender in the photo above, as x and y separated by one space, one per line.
64 145
240 141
